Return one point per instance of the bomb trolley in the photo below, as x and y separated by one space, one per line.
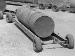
68 42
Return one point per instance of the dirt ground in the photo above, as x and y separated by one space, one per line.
14 43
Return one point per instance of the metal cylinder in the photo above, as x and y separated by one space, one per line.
39 23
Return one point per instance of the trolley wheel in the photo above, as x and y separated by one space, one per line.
41 6
37 45
1 15
9 18
55 9
70 41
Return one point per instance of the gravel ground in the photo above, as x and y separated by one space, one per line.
14 43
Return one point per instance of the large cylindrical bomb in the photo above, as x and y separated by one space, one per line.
39 23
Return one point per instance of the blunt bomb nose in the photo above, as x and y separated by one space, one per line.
38 22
